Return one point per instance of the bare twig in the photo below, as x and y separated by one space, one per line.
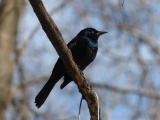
34 80
146 93
123 3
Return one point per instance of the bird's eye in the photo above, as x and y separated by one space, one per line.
93 32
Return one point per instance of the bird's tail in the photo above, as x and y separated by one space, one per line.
45 91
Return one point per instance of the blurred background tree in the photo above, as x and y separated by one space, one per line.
9 18
125 73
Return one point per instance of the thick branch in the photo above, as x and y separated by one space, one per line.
57 41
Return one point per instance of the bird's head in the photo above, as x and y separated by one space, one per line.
91 33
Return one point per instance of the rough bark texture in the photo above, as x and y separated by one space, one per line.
57 41
9 15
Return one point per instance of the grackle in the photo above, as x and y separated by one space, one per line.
84 49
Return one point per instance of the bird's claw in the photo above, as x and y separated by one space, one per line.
82 72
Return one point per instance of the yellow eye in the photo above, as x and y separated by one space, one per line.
93 32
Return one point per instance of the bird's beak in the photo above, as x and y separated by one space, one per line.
101 32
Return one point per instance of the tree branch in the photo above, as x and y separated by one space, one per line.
143 92
57 41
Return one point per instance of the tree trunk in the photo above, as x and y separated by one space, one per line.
9 16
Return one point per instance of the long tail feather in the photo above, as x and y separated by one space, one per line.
45 91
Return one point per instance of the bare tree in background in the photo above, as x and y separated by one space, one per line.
9 16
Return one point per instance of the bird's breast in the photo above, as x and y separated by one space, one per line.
92 44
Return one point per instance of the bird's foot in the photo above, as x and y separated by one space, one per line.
83 97
82 72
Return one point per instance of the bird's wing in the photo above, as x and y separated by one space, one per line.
78 47
77 42
82 53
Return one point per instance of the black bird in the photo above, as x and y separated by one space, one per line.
84 49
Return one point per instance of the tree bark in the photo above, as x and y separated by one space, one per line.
9 15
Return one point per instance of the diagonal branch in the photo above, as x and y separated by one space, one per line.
57 41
